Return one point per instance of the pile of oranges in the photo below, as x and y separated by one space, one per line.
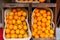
41 27
16 25
33 0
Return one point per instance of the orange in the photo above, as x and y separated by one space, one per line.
48 17
16 13
46 31
14 21
7 30
51 35
10 17
25 28
39 27
24 14
8 36
43 24
14 10
19 26
17 31
36 11
34 21
39 32
24 23
12 31
44 19
42 35
48 13
35 30
11 13
41 11
19 13
15 17
19 22
19 18
9 22
20 36
33 33
37 14
42 1
22 31
48 27
44 15
34 26
10 26
47 23
15 27
36 36
33 15
52 31
22 18
38 23
7 17
43 28
25 35
38 18
7 26
46 35
13 35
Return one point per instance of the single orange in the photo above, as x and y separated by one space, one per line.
24 23
42 1
43 24
14 21
10 26
36 36
43 28
13 35
33 33
15 17
48 13
8 36
19 26
25 28
38 23
14 10
11 13
48 17
24 14
19 13
20 36
16 13
15 27
22 31
12 31
44 19
9 22
17 31
34 26
44 15
7 30
25 35
37 14
52 31
22 18
19 22
10 17
34 21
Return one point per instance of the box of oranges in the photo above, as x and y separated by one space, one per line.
42 24
16 24
29 1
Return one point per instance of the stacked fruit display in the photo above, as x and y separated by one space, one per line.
16 25
33 0
41 27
